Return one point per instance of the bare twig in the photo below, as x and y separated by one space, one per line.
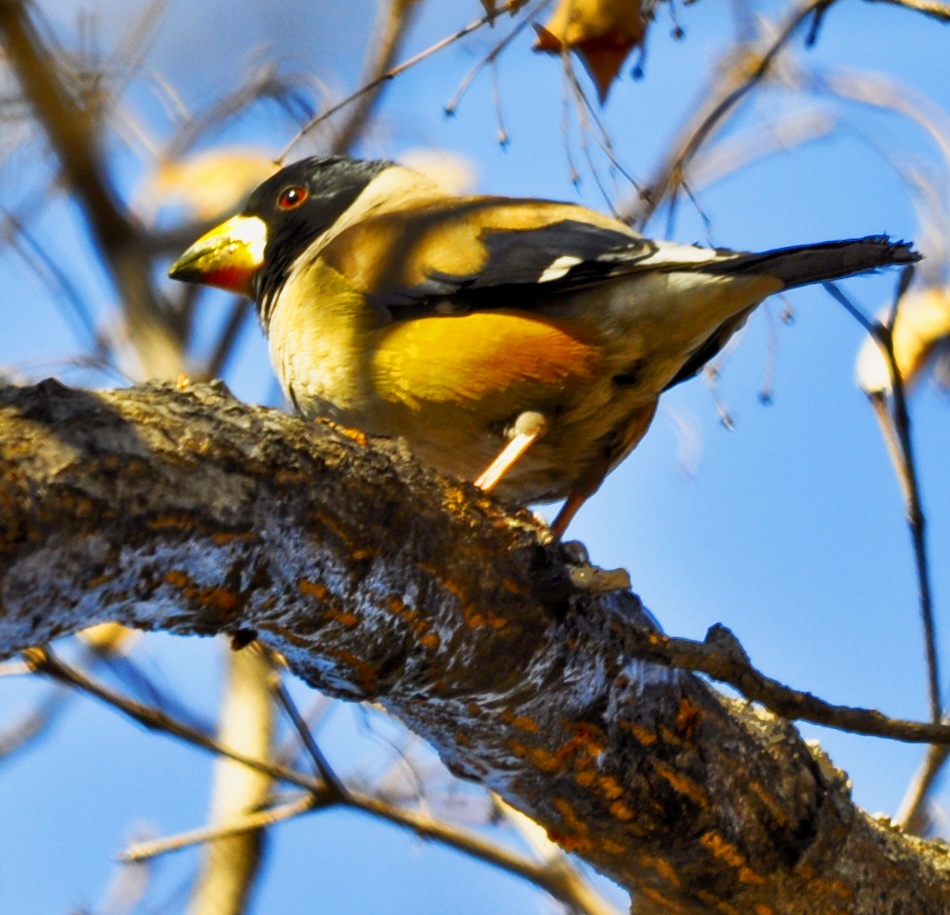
335 788
721 657
43 661
230 864
743 74
224 347
491 57
394 19
71 131
392 74
895 428
251 822
912 816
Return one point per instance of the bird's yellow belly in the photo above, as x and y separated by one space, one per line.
453 386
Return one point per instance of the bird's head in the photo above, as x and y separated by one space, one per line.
253 251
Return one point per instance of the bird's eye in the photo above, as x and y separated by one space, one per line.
291 197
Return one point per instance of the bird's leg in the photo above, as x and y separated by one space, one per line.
565 516
528 427
589 482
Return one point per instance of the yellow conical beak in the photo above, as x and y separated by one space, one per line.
227 257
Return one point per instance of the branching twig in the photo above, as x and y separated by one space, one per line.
71 132
895 428
395 17
251 822
391 74
721 657
335 788
43 661
743 74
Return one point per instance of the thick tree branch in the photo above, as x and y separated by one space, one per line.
377 579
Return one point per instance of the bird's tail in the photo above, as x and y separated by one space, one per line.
830 260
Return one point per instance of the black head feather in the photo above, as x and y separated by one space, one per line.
328 186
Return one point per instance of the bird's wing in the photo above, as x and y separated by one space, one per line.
480 253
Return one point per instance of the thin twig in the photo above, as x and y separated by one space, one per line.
335 788
395 17
744 73
43 661
721 657
392 74
896 430
912 816
491 57
251 822
71 131
224 348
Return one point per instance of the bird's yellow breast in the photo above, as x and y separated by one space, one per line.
488 360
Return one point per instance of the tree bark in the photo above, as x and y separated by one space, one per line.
377 579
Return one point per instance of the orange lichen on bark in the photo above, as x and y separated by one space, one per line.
644 736
656 896
687 717
831 888
219 598
681 783
765 796
357 551
620 811
100 580
171 523
177 579
431 641
610 787
223 600
614 848
364 671
315 589
522 722
670 737
750 877
225 537
714 903
345 618
662 867
576 839
722 849
585 778
762 909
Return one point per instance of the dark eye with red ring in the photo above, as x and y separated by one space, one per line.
291 197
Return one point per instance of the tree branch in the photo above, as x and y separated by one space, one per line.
378 579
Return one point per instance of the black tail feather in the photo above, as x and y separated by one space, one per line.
830 260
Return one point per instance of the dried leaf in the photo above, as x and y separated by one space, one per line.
602 32
208 184
923 327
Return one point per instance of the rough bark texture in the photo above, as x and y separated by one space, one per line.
378 579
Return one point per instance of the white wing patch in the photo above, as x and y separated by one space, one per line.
559 268
671 253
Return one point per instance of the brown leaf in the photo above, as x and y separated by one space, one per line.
602 32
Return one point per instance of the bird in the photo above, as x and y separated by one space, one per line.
519 343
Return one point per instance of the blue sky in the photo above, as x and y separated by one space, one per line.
788 529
